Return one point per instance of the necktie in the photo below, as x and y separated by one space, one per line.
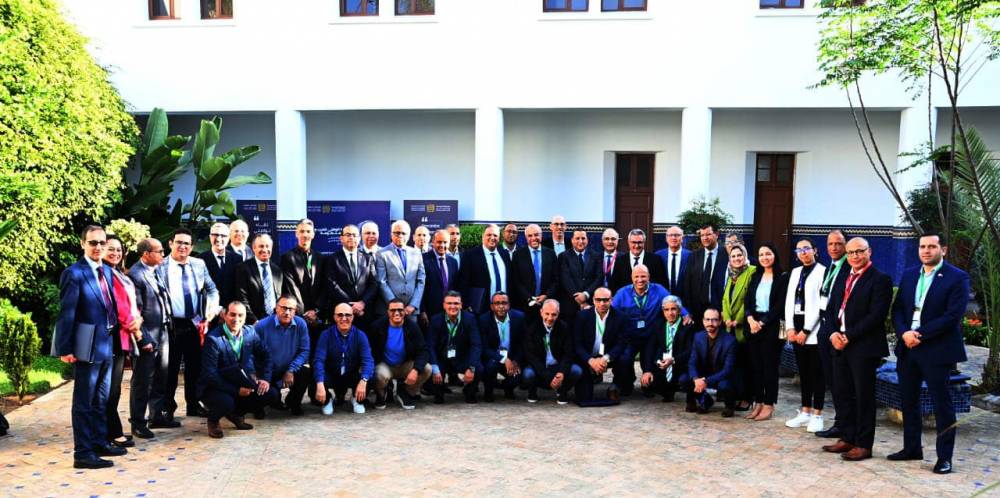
444 272
188 297
673 273
709 269
496 275
607 269
265 277
636 262
354 267
583 264
222 261
537 263
402 258
668 347
307 279
109 306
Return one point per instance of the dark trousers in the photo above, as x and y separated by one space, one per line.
624 366
451 370
856 389
303 379
765 357
150 370
187 347
90 398
491 368
340 384
911 373
585 386
829 379
744 370
543 378
221 404
114 421
725 390
811 383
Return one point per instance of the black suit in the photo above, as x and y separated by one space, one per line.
827 325
680 350
536 372
342 286
250 289
474 278
307 286
567 243
610 278
855 366
524 285
491 355
434 288
584 337
574 277
622 275
245 254
698 294
224 277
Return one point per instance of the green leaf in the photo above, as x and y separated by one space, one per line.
260 178
156 130
204 143
239 155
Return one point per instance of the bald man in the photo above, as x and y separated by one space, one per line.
533 274
557 240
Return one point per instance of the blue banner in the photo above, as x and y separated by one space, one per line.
434 214
262 217
329 217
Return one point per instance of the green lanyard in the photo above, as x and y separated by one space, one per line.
548 348
832 275
235 342
453 329
640 304
600 327
309 263
921 288
668 335
504 328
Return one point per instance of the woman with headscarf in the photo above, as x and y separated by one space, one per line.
740 272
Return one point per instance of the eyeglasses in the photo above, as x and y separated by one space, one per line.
501 303
397 310
803 250
399 234
182 243
343 316
610 238
601 299
857 252
348 234
223 235
95 243
287 309
156 251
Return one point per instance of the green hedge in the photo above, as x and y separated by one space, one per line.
19 344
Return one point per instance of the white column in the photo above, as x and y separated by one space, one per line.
489 164
696 153
914 123
290 168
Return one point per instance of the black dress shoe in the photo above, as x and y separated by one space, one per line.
833 432
127 443
110 450
905 454
92 463
508 393
296 410
259 414
942 467
143 432
197 411
728 412
164 424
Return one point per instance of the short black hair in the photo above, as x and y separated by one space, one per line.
182 231
710 224
90 228
942 240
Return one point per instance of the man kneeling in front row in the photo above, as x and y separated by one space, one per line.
712 365
229 385
400 353
344 360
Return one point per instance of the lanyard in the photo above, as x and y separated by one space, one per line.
834 271
235 342
453 329
851 282
921 288
504 328
600 326
640 304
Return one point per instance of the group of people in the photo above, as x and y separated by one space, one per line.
399 323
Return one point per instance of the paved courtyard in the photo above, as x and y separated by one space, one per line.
640 448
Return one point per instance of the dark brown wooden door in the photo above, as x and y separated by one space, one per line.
773 206
634 194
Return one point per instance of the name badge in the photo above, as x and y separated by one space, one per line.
667 356
843 328
823 301
452 353
343 369
600 350
640 324
916 319
798 309
503 355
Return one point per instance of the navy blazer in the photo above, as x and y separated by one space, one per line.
561 342
573 278
491 336
664 255
467 342
434 289
680 348
725 358
522 289
474 274
695 293
940 317
218 355
81 306
584 331
359 354
865 314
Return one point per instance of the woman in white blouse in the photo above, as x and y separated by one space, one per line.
802 315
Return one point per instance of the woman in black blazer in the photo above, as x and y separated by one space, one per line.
764 310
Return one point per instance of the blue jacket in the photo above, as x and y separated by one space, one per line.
664 255
650 314
289 349
467 342
218 355
940 317
725 358
82 307
328 357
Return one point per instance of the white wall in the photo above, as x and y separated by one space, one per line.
555 161
985 120
385 155
834 183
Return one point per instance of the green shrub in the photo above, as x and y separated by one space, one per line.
19 345
702 212
975 332
472 236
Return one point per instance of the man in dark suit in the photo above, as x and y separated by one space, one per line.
836 272
441 276
259 281
455 346
927 316
239 233
533 274
350 278
549 357
597 338
230 386
668 351
302 272
151 362
399 351
705 276
557 238
87 325
609 260
636 256
862 302
579 275
712 365
675 258
502 331
221 261
484 271
369 239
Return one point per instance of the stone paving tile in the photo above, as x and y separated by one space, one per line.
643 447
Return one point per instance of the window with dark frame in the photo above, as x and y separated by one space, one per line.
216 9
414 7
781 4
775 169
350 8
622 5
565 5
161 9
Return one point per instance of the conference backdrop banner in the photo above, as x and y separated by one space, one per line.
262 217
331 216
433 214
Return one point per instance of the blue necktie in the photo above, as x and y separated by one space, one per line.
496 274
265 277
188 298
607 270
673 273
537 263
402 257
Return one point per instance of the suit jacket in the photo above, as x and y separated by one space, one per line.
208 293
467 342
561 343
724 358
510 253
224 277
491 336
250 288
622 275
664 255
81 308
611 279
413 342
695 291
247 252
584 330
153 303
218 357
775 304
474 277
523 273
865 314
811 305
434 288
574 277
342 286
680 348
394 282
308 290
828 316
567 242
940 316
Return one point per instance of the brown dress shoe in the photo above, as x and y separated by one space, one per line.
239 423
839 447
214 431
857 454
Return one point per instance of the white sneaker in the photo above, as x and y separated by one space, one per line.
328 408
815 423
801 419
358 407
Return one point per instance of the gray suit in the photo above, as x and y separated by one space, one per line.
208 294
393 283
150 368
